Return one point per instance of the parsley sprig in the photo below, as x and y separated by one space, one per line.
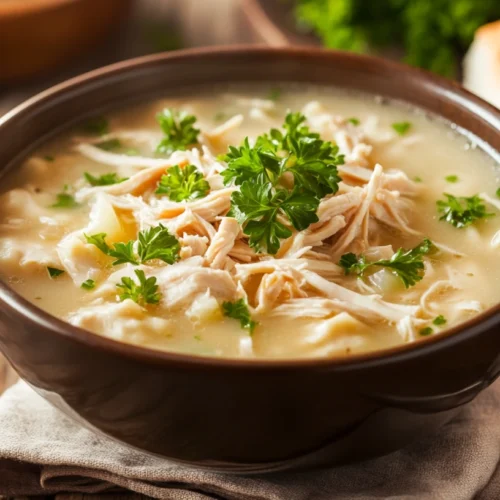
153 243
178 129
239 310
408 265
183 183
144 292
462 211
266 192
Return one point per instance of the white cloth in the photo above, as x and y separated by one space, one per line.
43 452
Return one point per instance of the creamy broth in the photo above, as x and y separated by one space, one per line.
299 312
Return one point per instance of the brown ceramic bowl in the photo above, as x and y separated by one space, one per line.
243 415
38 35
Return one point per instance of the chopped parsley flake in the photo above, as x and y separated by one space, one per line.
49 158
65 200
153 243
417 179
54 272
498 193
109 145
451 178
462 211
177 126
401 127
103 180
408 265
145 292
354 121
426 331
439 320
239 310
88 284
181 184
97 125
274 94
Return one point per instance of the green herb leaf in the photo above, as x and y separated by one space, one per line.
408 265
103 180
462 211
154 243
239 310
96 126
88 284
54 272
65 200
178 129
401 127
49 158
426 331
354 121
498 193
274 94
439 320
451 179
109 145
122 252
417 179
145 292
183 184
158 243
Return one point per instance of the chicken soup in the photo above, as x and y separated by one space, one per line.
259 223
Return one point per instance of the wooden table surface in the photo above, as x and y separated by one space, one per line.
226 26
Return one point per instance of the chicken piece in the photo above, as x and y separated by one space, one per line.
192 245
209 208
314 236
190 223
15 254
276 287
390 209
125 321
242 252
358 225
222 242
80 260
368 306
339 205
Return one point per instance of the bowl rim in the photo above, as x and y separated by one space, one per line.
484 321
12 8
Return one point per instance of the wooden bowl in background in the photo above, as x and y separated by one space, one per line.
38 35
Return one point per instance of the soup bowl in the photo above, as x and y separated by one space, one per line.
241 415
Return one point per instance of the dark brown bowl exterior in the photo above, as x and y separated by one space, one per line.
240 415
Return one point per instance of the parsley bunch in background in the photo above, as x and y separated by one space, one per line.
432 32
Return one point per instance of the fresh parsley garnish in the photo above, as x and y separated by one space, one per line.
158 243
65 200
103 180
426 331
97 125
239 310
146 292
451 179
49 158
122 252
54 272
153 243
408 265
497 192
439 320
417 179
88 284
355 121
109 145
183 183
462 211
401 127
178 129
257 206
274 94
264 172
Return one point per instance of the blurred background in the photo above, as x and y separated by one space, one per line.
46 41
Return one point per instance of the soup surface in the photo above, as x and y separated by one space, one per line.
328 232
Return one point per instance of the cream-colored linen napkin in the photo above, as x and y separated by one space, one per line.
43 452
